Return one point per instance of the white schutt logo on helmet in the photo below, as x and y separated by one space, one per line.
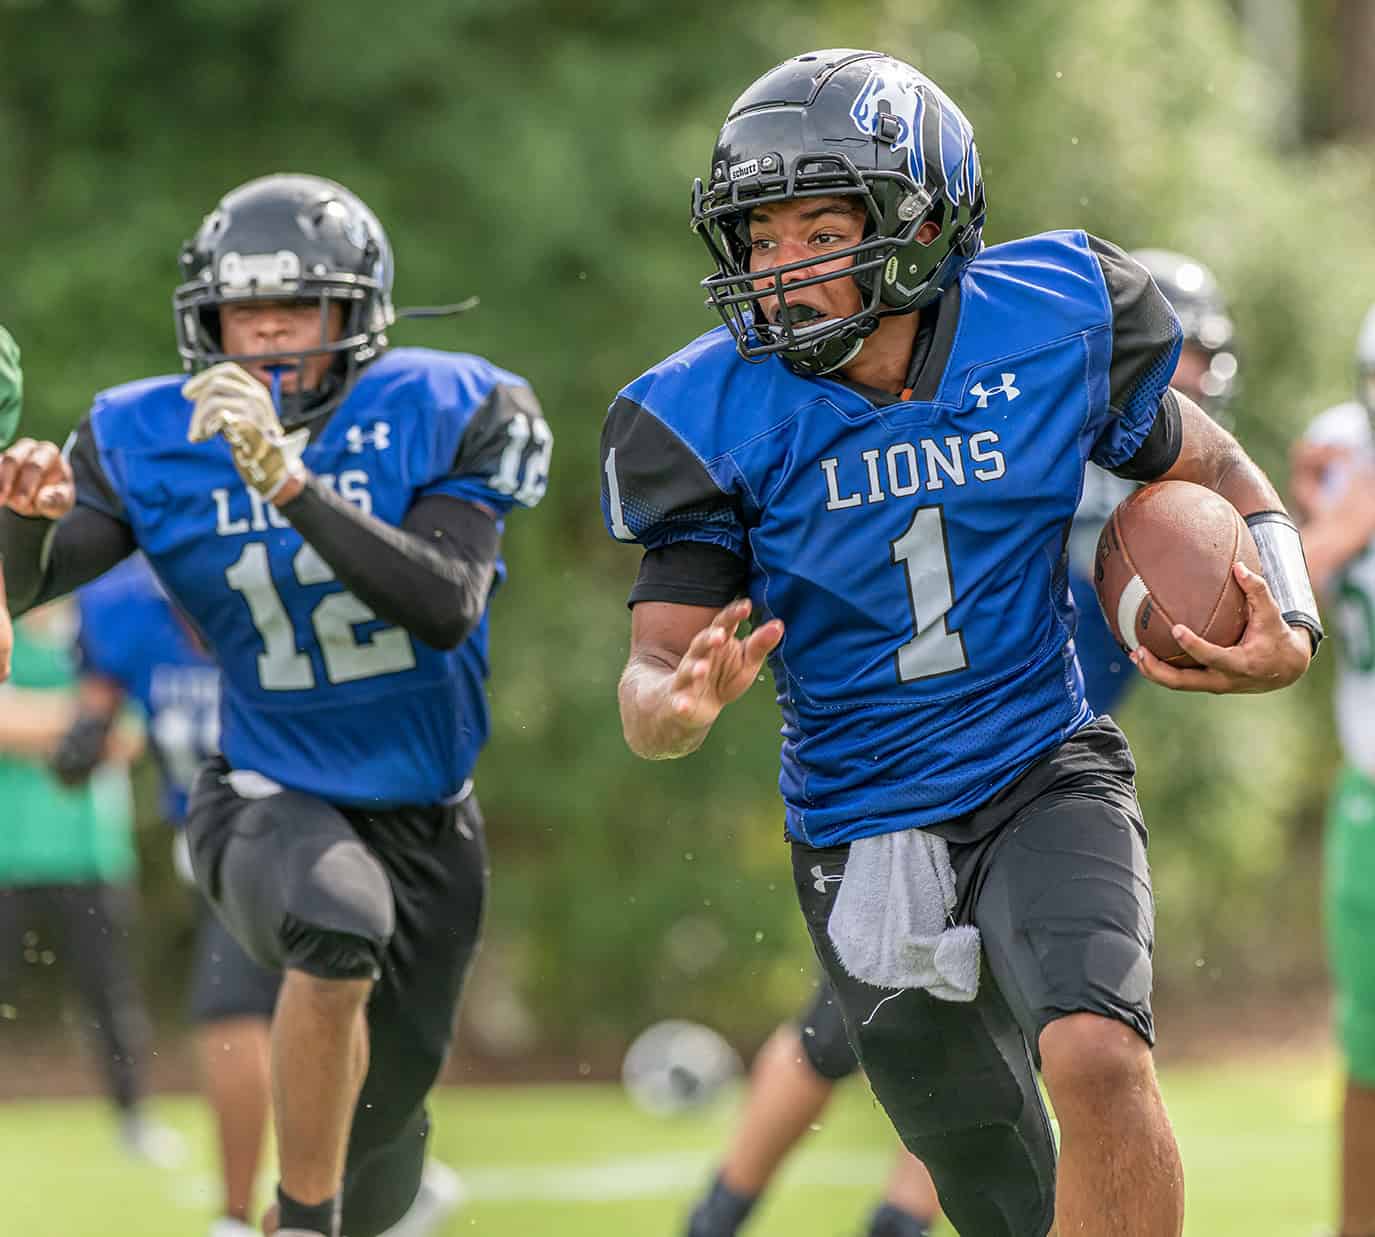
899 91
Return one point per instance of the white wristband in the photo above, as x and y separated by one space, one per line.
1286 570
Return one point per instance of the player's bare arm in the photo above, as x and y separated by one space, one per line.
686 664
1338 519
1272 653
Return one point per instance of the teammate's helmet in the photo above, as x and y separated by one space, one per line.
674 1066
1365 362
296 238
1197 299
840 123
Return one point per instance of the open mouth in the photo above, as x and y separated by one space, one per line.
801 315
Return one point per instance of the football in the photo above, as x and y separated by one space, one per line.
1165 556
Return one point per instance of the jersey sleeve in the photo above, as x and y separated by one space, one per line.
656 490
94 485
1146 342
98 644
504 454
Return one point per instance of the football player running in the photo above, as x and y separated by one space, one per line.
1333 484
1206 373
882 450
328 514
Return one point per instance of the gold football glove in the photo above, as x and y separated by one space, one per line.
230 402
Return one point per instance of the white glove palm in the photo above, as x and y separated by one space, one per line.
230 402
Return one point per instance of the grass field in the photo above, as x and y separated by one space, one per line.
578 1161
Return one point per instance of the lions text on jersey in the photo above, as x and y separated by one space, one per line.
915 549
318 694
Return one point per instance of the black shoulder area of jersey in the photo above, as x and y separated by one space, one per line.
487 433
1145 331
93 485
660 477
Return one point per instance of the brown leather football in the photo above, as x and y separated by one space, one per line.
1164 557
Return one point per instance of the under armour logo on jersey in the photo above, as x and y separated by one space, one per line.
379 437
986 393
822 880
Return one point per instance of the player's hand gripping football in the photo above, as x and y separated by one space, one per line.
719 665
1271 654
230 402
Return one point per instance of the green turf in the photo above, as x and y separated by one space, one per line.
577 1161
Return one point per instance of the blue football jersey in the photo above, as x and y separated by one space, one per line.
915 550
317 693
131 634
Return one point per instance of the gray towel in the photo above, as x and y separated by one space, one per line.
893 920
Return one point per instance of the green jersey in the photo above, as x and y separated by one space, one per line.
11 387
50 835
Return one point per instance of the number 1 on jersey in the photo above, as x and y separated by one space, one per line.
922 551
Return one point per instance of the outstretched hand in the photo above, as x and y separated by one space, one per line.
1270 655
719 665
35 480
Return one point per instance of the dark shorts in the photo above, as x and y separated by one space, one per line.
343 892
1053 873
225 982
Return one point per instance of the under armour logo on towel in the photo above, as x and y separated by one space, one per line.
986 393
822 880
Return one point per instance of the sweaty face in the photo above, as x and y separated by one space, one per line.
280 326
807 230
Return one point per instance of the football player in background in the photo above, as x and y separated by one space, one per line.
882 449
328 514
1206 373
794 1075
134 645
1333 486
11 402
68 872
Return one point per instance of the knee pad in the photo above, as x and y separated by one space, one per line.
327 954
339 885
822 1031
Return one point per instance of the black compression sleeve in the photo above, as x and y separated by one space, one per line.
691 573
44 560
430 576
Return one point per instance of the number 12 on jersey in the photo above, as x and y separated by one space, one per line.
924 554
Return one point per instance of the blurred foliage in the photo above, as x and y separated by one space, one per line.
540 155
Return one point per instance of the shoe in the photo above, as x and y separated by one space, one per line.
442 1192
146 1140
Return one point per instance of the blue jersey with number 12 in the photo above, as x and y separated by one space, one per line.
318 694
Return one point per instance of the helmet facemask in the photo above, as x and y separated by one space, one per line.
289 239
895 272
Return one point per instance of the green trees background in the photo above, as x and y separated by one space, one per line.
540 155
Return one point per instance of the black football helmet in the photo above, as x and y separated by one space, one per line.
840 123
294 238
1197 300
